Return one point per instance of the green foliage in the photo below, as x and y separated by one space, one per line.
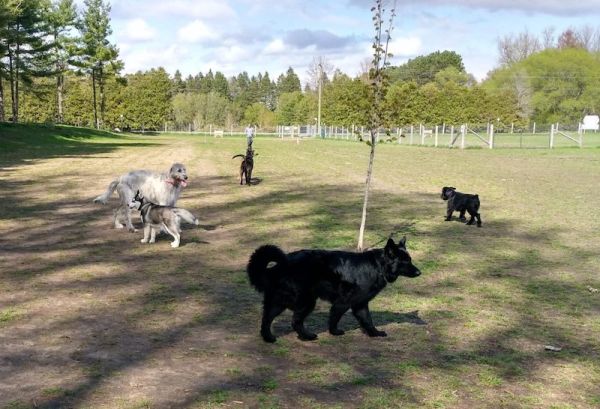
288 82
146 102
346 101
423 69
295 108
562 84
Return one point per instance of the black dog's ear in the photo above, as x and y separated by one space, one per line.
452 188
390 249
402 242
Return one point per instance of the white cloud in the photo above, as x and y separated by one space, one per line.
145 58
275 47
196 32
137 30
405 46
555 7
205 9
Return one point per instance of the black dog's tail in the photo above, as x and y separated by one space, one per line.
476 203
239 155
258 271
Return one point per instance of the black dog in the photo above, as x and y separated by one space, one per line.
247 165
346 279
461 202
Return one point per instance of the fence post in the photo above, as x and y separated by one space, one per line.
552 136
422 134
534 127
412 128
399 131
491 136
436 136
463 131
512 127
451 135
580 135
444 128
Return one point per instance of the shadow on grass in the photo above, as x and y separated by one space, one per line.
192 314
21 143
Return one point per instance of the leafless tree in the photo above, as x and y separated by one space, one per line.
548 40
313 71
515 48
523 92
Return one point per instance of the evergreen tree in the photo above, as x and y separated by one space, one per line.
288 82
220 85
96 55
61 19
25 45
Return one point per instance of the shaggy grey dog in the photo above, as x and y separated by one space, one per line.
160 188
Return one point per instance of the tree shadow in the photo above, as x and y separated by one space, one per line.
153 311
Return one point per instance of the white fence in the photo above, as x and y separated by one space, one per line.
460 136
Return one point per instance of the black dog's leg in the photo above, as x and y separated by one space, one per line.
449 214
478 219
270 311
298 321
335 314
462 217
249 176
241 176
472 213
363 315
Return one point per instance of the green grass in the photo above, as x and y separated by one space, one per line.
109 319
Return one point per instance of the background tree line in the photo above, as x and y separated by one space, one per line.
58 66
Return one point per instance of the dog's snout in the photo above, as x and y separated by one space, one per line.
185 177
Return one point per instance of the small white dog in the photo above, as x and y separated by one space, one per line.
160 188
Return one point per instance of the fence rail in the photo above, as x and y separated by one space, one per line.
445 135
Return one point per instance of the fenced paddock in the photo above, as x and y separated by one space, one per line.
92 318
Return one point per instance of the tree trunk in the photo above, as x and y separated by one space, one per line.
102 96
94 98
11 79
60 84
2 116
16 94
363 221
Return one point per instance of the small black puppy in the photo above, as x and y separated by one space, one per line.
348 280
461 202
247 165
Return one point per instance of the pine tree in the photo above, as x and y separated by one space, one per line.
26 46
96 55
61 18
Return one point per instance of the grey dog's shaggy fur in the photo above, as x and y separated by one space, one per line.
160 188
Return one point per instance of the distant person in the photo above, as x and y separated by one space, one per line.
249 135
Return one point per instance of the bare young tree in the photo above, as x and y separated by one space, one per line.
314 70
515 48
378 86
586 36
524 93
548 40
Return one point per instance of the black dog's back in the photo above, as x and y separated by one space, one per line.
348 280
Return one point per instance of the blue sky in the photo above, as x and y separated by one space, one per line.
232 36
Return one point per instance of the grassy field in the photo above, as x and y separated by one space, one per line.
92 318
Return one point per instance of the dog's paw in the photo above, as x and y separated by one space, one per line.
131 229
119 226
175 244
270 338
336 331
448 219
308 336
143 241
377 333
152 241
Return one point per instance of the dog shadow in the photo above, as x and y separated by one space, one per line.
317 321
255 181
